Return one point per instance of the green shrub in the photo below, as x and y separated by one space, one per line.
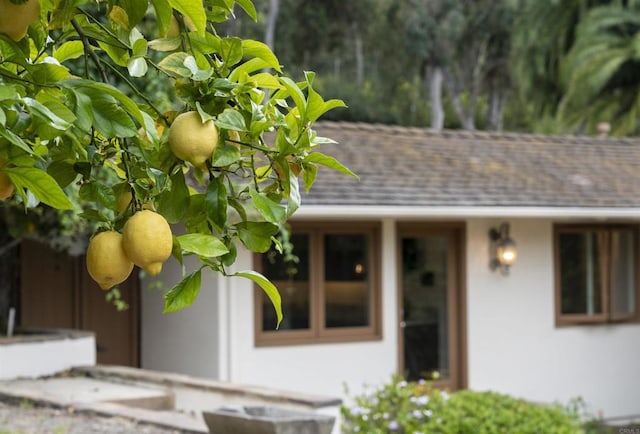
412 408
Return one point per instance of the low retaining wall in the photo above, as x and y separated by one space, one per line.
36 353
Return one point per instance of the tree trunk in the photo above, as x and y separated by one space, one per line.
359 53
435 95
451 85
337 64
272 17
495 111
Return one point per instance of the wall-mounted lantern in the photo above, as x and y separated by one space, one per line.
503 249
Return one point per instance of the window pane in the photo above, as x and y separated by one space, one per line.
347 287
580 272
623 280
292 280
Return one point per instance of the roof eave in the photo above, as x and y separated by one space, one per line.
409 212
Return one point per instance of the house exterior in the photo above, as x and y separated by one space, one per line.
393 274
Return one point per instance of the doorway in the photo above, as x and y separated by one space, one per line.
432 311
57 292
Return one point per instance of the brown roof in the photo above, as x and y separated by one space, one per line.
400 166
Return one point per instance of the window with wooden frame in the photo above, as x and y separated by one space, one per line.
329 287
596 275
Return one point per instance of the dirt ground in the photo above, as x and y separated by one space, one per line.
25 418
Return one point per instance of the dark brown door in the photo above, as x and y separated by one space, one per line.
431 304
57 292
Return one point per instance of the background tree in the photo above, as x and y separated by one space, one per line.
599 75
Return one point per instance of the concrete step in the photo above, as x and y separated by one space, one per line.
71 390
146 405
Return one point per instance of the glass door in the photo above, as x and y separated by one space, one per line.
429 311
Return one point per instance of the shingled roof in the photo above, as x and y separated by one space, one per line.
414 167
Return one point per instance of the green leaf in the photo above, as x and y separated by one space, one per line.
204 116
269 289
127 103
271 211
41 111
95 191
316 106
93 214
215 202
174 203
47 73
14 139
108 117
256 236
262 51
165 44
83 109
332 163
69 50
294 194
135 10
309 172
138 43
41 184
62 172
184 293
231 119
194 10
163 14
176 250
225 155
231 51
174 64
249 8
295 93
202 245
247 67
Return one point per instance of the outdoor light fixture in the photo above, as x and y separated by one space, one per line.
502 248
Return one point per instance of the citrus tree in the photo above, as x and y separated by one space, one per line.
78 133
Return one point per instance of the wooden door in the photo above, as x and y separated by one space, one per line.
57 292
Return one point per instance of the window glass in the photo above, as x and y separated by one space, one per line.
292 280
347 268
623 281
580 273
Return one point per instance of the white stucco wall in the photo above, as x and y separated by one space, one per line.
514 345
186 341
318 368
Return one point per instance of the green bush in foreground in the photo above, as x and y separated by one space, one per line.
413 408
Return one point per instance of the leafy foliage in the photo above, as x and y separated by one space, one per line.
417 407
70 134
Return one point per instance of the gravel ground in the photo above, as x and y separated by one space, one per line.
26 419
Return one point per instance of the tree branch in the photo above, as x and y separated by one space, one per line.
88 50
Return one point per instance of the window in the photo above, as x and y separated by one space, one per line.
596 278
330 291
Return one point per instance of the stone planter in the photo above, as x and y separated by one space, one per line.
37 353
266 420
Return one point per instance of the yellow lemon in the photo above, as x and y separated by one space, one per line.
147 240
107 263
191 140
234 137
6 186
124 199
15 18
